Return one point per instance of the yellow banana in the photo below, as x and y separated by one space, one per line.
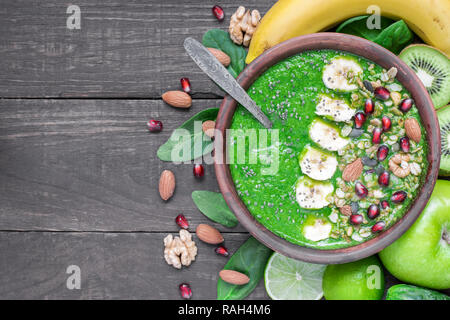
429 19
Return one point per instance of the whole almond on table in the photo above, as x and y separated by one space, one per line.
412 129
353 170
208 127
209 234
234 277
221 56
177 99
166 184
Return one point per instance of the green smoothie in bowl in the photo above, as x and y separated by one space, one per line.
345 158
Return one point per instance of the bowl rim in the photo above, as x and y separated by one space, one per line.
372 52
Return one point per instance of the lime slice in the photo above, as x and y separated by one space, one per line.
289 279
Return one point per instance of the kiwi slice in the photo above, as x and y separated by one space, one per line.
433 69
444 123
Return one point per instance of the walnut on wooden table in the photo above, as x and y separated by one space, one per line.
242 25
180 251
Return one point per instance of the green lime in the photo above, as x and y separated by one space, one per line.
359 280
289 279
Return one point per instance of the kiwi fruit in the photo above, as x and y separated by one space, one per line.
444 124
433 69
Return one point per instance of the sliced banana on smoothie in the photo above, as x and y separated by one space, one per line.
316 229
317 164
312 194
334 109
336 75
326 135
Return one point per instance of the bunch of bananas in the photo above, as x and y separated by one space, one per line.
292 18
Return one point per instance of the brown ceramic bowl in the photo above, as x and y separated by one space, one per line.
383 58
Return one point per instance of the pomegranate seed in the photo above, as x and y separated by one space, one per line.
381 93
154 125
361 190
369 106
398 197
382 153
386 123
222 251
373 211
404 144
385 204
185 291
383 179
218 12
406 104
185 85
182 221
199 170
360 118
379 226
376 135
356 219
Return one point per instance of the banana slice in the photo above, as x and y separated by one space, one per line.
334 109
326 136
335 75
316 229
316 164
312 194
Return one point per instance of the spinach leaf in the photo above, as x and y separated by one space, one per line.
180 146
392 35
220 39
251 259
213 205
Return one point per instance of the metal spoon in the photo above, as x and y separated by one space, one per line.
217 72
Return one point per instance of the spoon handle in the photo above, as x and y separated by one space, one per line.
217 72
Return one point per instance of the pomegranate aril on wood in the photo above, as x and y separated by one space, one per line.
381 93
185 85
185 291
379 226
386 123
398 197
376 135
361 190
154 126
369 106
373 211
218 12
382 153
404 144
360 118
199 170
383 179
405 105
356 219
222 251
181 221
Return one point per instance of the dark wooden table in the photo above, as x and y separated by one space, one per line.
78 168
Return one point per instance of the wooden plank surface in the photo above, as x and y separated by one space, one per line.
124 48
91 165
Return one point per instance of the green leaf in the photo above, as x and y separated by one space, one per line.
219 39
392 35
250 259
185 137
213 205
395 37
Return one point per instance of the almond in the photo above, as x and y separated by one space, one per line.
177 99
353 170
221 56
412 128
346 210
208 128
209 234
166 184
234 277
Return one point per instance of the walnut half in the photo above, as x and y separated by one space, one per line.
242 25
180 250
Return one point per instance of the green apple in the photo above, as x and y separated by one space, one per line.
422 255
